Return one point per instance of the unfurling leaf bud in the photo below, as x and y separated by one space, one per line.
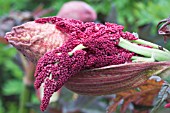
34 39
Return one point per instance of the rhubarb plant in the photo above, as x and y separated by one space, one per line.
103 54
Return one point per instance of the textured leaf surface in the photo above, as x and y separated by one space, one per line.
142 96
114 79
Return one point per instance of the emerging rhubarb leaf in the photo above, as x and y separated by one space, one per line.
67 47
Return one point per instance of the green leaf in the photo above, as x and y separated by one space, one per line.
12 107
12 87
14 69
1 107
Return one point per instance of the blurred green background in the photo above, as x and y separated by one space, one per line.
141 16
